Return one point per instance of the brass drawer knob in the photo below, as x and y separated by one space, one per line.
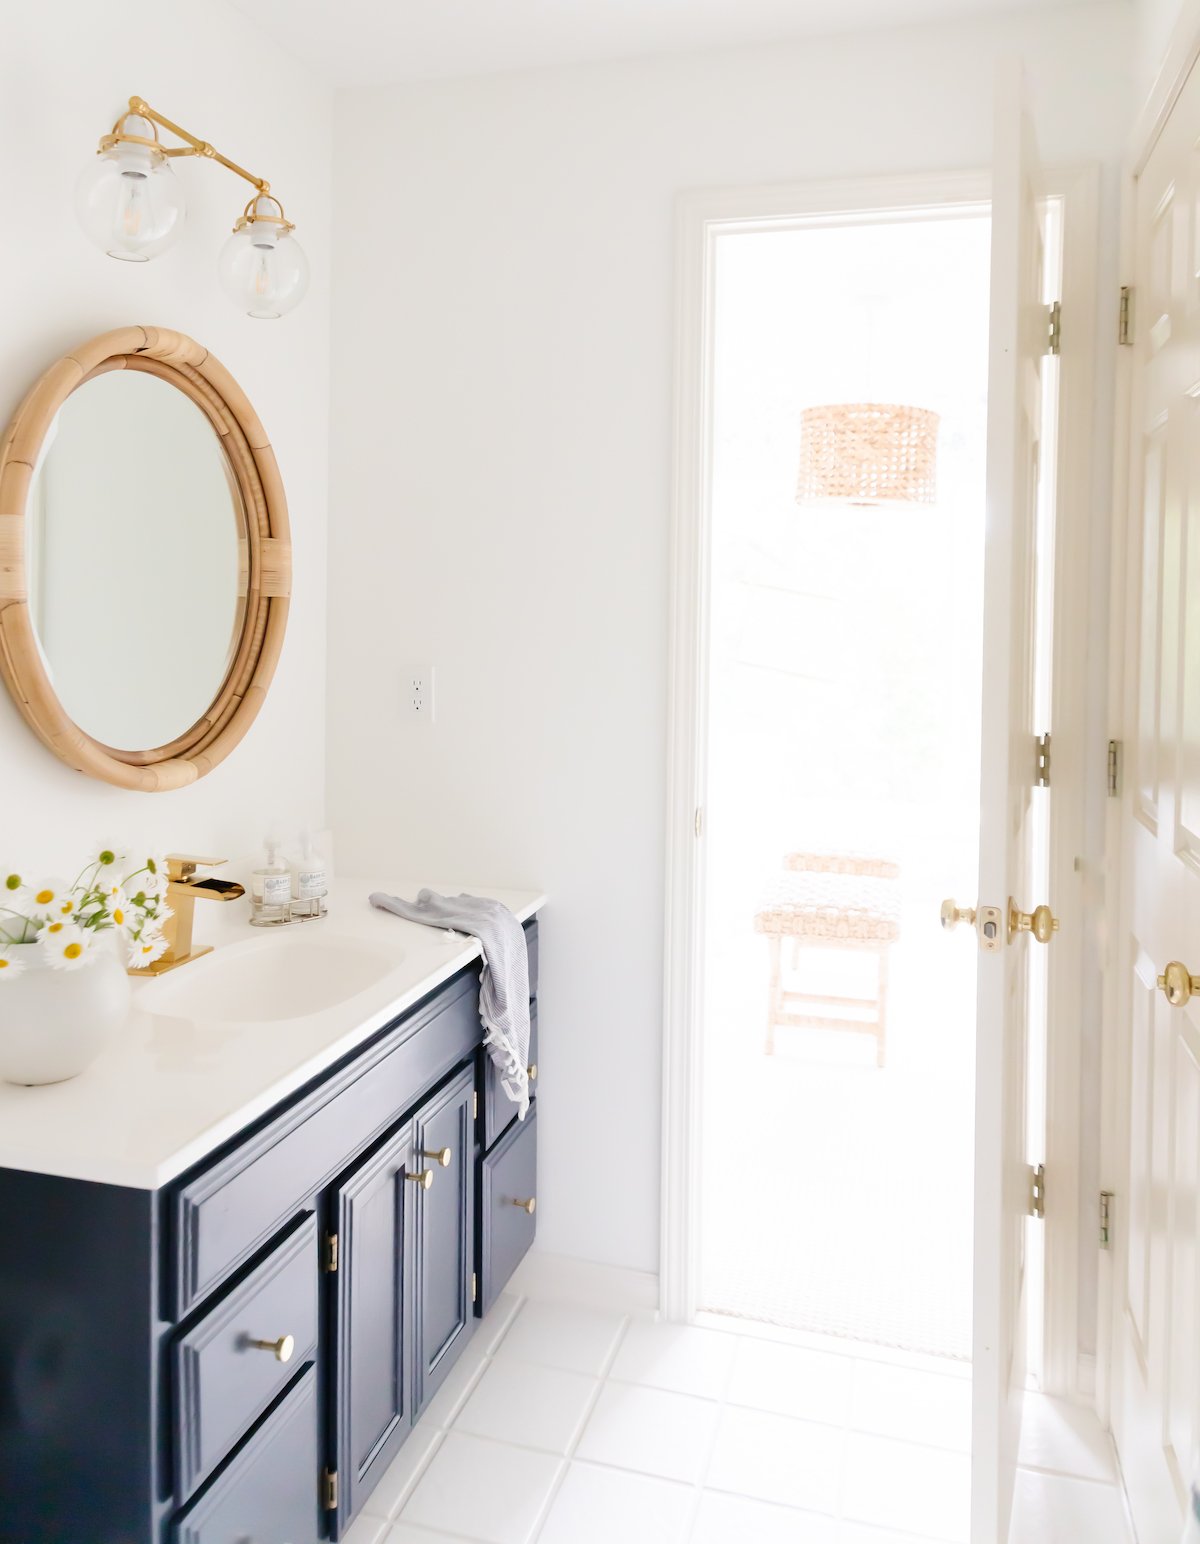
1177 984
528 1207
532 1071
424 1178
443 1156
281 1349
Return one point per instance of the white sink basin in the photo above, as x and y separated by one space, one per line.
276 976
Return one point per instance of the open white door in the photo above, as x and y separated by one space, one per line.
1005 919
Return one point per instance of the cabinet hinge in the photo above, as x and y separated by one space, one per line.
1037 1191
474 1287
329 1252
329 1489
1114 769
1106 1197
1125 316
1054 327
1042 765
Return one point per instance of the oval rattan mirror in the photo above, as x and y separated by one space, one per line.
145 561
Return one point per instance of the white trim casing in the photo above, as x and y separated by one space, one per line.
699 215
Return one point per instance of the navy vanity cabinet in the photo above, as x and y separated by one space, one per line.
508 1206
446 1275
371 1330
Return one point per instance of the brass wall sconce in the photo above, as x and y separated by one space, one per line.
131 205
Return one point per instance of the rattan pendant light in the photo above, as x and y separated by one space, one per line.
868 453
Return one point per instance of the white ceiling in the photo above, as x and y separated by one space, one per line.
353 42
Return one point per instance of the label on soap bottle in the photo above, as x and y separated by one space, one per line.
276 889
310 883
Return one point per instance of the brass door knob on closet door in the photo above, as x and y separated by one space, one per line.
952 914
1041 922
281 1349
424 1178
1177 984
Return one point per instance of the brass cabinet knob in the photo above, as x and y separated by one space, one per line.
443 1156
424 1178
281 1349
1041 922
952 914
532 1071
1177 984
528 1207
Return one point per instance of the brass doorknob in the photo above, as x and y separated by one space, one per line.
528 1207
424 1178
443 1156
281 1349
1177 984
952 914
1041 922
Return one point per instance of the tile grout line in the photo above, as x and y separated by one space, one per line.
722 1404
567 1458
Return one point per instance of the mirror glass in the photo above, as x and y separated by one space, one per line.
136 559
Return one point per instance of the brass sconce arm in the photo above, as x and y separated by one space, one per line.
140 108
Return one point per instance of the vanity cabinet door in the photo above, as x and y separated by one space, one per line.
508 1209
445 1233
373 1211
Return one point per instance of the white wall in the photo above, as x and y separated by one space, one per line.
1154 23
501 489
66 70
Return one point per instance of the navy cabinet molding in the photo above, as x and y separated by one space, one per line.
241 1354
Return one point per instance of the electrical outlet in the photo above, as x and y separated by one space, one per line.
417 692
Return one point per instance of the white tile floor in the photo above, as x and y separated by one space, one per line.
568 1425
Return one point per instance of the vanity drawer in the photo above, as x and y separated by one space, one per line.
508 1206
271 1491
499 1111
222 1215
222 1380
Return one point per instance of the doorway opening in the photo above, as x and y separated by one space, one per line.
842 782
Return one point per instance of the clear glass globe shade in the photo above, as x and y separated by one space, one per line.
130 203
263 270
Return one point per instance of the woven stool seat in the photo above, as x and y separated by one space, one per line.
830 906
866 864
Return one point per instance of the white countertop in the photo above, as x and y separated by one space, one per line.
183 1076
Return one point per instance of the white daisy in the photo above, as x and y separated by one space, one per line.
46 898
65 945
12 887
154 880
116 904
145 950
104 856
11 963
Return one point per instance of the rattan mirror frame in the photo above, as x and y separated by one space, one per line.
187 365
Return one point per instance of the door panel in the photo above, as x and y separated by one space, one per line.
1018 322
445 1234
374 1213
1156 1301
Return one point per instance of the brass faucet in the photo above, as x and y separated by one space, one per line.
183 891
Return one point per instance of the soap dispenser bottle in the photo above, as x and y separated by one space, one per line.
271 889
310 882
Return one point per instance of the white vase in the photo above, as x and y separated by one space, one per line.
54 1023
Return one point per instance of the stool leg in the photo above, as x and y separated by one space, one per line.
881 1030
776 977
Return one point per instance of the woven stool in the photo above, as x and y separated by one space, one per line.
831 901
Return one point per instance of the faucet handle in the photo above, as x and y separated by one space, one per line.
181 866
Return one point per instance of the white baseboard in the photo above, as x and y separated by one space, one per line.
563 1278
1086 1375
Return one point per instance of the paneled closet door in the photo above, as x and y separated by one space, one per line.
445 1233
1155 1399
374 1212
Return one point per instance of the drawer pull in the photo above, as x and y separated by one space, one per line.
532 1071
424 1178
528 1207
443 1156
281 1349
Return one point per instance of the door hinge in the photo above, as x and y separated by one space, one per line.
329 1490
329 1252
698 823
1106 1197
1037 1191
1054 327
474 1287
1042 770
1114 769
1125 316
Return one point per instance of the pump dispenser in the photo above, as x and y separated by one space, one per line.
309 880
270 889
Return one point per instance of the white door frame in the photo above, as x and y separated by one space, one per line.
1182 53
699 215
